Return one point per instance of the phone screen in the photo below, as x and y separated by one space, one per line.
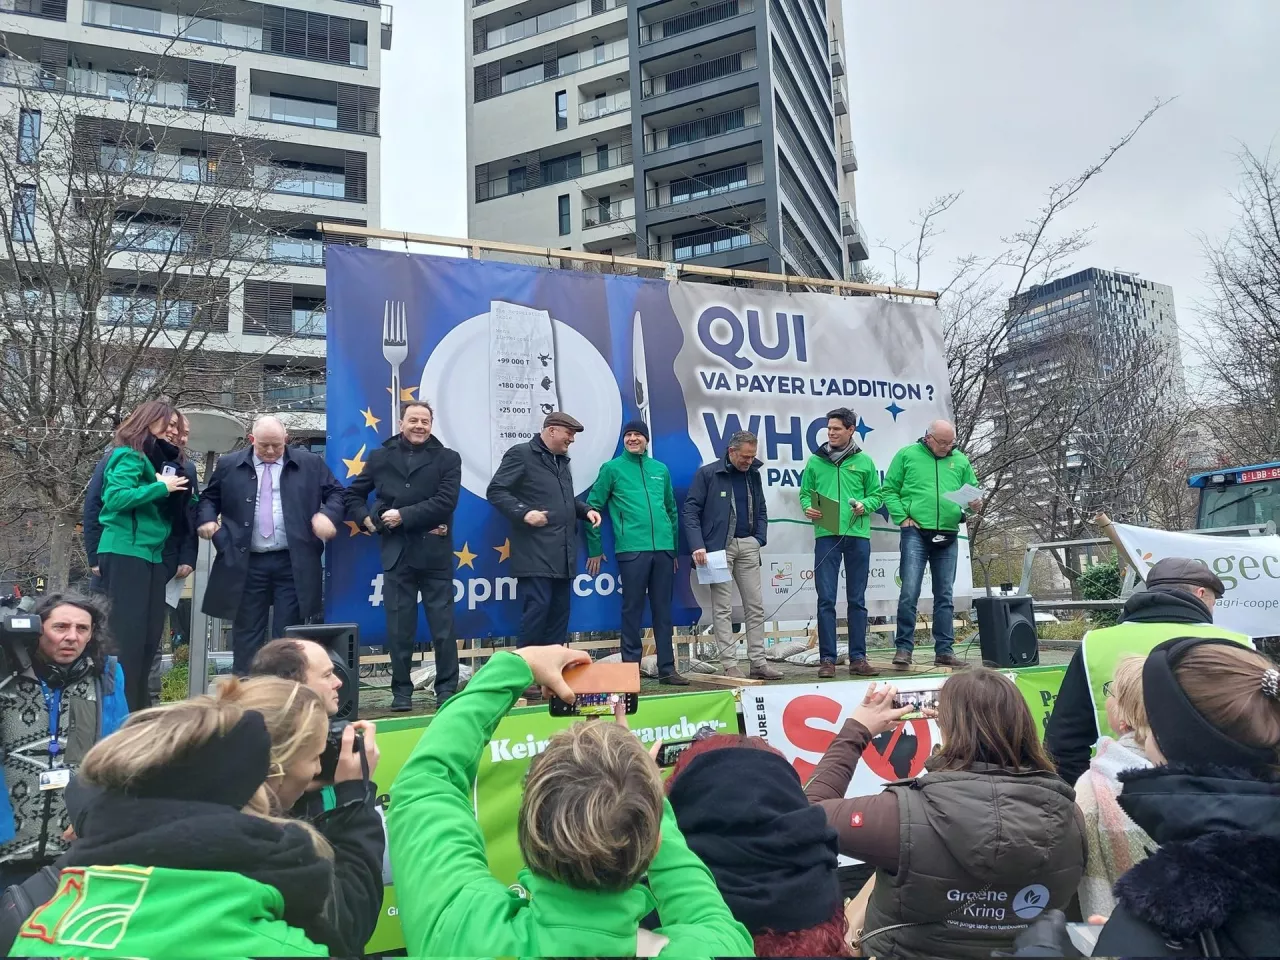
918 700
596 704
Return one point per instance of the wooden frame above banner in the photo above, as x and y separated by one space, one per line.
670 270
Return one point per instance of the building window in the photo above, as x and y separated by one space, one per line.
28 136
562 204
562 110
23 227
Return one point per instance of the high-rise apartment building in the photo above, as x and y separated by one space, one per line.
238 126
713 132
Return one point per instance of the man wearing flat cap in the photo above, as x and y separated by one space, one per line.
636 490
1177 602
533 488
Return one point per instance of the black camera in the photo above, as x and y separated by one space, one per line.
333 746
19 634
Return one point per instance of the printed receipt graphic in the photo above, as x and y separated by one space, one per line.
524 385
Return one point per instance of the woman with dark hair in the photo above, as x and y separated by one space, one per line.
971 851
144 486
61 695
1212 803
742 810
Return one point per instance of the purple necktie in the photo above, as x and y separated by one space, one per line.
266 511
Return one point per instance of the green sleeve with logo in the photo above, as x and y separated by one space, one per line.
449 901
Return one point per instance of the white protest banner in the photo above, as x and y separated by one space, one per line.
1249 568
787 575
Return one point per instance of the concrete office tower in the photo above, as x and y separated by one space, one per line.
299 82
704 131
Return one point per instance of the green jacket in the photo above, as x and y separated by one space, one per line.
853 478
642 505
159 912
133 523
451 904
917 482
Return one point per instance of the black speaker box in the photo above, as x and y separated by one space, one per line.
342 640
1007 631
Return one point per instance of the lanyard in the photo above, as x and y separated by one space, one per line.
53 704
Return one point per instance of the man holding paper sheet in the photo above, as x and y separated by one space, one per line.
724 514
839 491
920 491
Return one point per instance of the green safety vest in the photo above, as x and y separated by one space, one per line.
1103 649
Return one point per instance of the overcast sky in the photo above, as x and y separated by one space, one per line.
995 98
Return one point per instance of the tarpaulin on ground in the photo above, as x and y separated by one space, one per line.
495 346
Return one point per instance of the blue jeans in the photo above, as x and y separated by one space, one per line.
827 554
917 549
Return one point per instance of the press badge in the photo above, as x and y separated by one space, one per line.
55 779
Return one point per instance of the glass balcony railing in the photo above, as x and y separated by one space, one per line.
704 128
569 63
554 171
142 311
124 16
551 20
709 184
307 183
309 323
150 238
698 73
604 106
693 19
307 113
21 73
296 395
128 87
151 163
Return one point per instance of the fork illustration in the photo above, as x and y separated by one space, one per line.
395 349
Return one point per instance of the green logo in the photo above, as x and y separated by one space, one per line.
92 908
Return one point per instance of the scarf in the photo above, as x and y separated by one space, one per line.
1115 842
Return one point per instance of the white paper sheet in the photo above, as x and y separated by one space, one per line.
173 591
522 365
965 495
716 569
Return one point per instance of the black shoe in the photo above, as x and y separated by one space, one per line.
948 660
674 680
401 704
442 697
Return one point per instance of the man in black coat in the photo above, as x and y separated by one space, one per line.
416 479
533 488
278 504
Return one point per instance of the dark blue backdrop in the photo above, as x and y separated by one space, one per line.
440 293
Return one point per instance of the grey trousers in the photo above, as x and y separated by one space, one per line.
743 554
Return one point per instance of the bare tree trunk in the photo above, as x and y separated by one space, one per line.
60 536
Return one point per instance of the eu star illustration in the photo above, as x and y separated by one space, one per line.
369 419
465 557
355 466
504 551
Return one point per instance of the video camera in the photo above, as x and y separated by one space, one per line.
19 633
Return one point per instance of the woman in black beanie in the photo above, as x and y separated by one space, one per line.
1212 803
742 810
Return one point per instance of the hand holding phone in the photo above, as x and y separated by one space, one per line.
598 689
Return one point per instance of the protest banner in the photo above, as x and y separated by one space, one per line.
520 736
801 720
1249 568
494 346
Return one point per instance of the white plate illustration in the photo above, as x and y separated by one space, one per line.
456 381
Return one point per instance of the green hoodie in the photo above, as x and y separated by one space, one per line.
642 505
159 912
917 482
451 904
133 523
855 477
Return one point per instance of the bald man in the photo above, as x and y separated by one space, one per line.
914 491
269 509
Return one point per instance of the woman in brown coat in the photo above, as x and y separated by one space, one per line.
974 849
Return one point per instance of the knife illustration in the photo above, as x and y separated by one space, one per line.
640 376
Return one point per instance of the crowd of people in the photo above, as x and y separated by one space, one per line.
246 823
199 827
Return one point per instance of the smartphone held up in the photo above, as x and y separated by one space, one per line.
598 688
